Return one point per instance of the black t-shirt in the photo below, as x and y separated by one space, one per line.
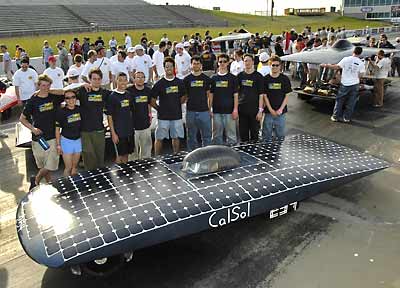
141 101
250 88
92 105
42 113
223 88
169 95
208 60
196 90
70 122
120 107
279 50
276 89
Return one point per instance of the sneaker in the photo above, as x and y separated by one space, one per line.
334 119
3 135
33 183
345 120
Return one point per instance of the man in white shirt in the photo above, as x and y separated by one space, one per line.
396 59
382 67
128 41
352 69
55 73
114 58
164 38
78 66
113 45
158 61
237 66
92 56
6 61
182 61
121 66
129 58
264 69
104 64
24 81
143 63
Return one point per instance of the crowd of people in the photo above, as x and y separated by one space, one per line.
239 89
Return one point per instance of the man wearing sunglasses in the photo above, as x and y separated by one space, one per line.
224 102
277 88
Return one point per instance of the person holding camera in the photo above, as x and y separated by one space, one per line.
381 66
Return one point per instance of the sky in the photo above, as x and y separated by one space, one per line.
250 6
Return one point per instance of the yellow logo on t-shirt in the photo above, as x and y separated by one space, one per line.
222 84
74 118
46 107
248 83
141 99
172 89
275 86
95 98
124 103
30 77
197 83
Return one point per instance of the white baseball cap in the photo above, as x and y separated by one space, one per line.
186 44
72 73
131 50
179 45
264 57
139 47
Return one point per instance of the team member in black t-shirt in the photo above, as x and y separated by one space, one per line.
198 87
142 117
69 143
92 104
277 87
119 112
170 91
40 110
251 92
224 103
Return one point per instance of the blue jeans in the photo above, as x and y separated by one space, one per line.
272 123
195 122
348 95
224 123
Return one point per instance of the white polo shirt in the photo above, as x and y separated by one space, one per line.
237 67
384 66
352 67
182 65
158 62
26 81
142 63
118 67
57 75
105 67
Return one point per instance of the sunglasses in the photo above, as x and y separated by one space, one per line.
276 65
69 98
222 61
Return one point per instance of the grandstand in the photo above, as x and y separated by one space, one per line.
64 16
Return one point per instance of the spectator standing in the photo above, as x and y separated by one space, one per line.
158 61
55 73
277 87
224 103
150 50
128 41
209 61
182 61
85 48
78 66
170 92
47 51
120 107
142 62
92 104
381 66
113 45
121 66
63 57
104 64
264 69
198 119
396 59
68 133
164 38
99 42
24 81
89 65
251 92
141 95
352 69
237 66
6 61
39 116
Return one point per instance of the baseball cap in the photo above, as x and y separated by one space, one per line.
52 59
186 44
72 73
179 45
99 48
131 50
139 47
264 57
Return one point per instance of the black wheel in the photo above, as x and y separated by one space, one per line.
103 267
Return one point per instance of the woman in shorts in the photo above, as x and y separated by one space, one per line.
68 133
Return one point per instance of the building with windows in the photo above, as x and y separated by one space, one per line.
373 9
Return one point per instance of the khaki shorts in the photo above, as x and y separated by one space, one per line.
46 159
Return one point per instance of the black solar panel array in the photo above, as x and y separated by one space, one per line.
108 205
